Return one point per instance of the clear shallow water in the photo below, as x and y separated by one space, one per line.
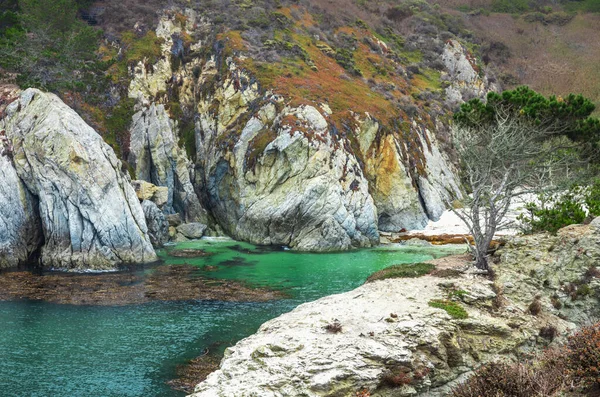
62 350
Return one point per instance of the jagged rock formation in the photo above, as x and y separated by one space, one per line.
20 227
159 195
158 226
90 214
277 185
467 80
157 158
272 172
389 328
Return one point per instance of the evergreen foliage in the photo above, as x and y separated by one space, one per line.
552 213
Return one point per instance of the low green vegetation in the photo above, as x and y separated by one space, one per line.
552 212
454 309
48 45
402 271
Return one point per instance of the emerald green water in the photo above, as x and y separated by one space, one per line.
63 350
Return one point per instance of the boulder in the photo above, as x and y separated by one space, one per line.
146 191
158 226
20 226
192 231
90 214
174 220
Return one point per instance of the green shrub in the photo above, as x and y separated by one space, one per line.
510 6
452 308
411 270
572 207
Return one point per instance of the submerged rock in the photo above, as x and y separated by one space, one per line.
20 225
160 283
90 214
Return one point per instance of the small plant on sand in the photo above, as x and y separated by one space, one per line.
411 270
334 328
452 308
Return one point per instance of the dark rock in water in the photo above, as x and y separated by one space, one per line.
196 371
257 250
158 227
237 261
209 268
189 253
165 283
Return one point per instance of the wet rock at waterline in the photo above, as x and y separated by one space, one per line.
158 226
90 214
20 224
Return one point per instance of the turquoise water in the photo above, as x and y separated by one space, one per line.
62 350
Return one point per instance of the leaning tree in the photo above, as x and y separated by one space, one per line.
516 142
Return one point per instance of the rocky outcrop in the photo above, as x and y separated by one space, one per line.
159 195
464 75
20 226
278 184
561 270
271 171
157 158
90 214
353 342
158 226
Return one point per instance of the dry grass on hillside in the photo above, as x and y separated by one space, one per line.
551 59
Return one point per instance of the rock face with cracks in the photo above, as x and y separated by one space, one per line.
357 341
157 158
90 214
272 171
20 226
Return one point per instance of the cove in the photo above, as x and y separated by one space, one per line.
50 349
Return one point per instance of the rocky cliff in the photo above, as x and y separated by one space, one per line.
71 183
20 227
310 169
411 337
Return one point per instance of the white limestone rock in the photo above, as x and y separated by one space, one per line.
90 214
